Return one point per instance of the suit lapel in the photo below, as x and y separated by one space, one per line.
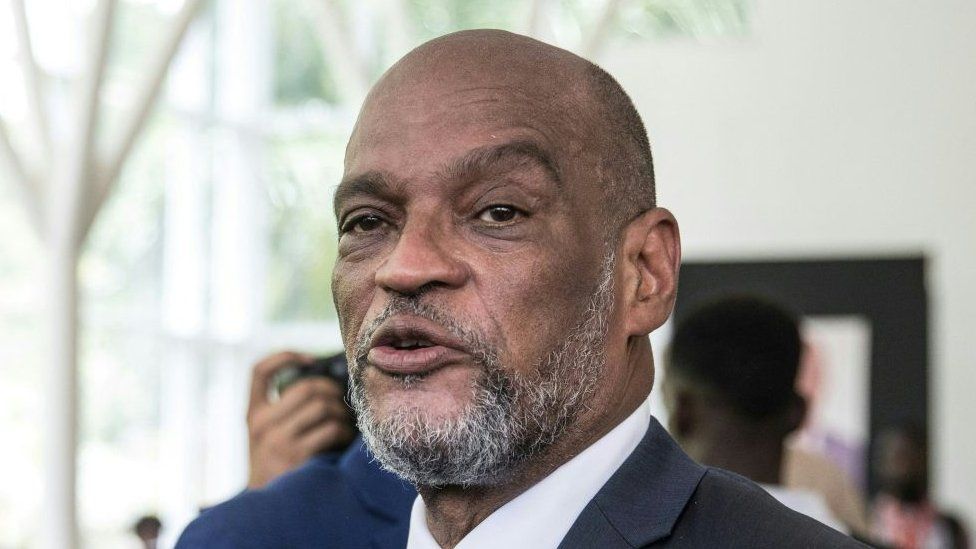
643 500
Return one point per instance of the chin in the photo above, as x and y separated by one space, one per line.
441 396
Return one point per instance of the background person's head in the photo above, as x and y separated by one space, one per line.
901 463
147 529
501 261
730 374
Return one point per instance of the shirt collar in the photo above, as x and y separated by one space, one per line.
534 519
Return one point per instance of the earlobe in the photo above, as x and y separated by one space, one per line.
652 251
796 413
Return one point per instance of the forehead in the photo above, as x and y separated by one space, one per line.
421 125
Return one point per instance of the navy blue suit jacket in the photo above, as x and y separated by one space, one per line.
658 498
325 503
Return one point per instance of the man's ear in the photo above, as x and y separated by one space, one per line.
651 258
795 414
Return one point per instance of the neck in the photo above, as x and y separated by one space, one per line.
756 456
453 511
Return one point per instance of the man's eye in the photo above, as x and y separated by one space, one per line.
363 224
498 214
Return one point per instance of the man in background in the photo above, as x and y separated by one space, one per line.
308 419
903 515
147 529
729 387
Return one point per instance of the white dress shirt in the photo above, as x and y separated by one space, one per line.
540 517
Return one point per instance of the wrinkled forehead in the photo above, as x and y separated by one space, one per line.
452 119
451 97
487 58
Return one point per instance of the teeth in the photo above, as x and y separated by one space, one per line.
405 343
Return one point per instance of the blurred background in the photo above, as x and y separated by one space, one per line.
166 171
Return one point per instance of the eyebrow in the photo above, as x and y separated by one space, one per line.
472 163
371 183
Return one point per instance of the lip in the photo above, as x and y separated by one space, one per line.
444 348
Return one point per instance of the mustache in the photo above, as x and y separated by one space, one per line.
474 341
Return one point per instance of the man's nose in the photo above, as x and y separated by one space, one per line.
419 259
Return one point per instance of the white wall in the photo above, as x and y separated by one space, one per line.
839 128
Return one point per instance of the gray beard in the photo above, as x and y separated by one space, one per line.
511 417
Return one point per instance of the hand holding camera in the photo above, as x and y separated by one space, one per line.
297 409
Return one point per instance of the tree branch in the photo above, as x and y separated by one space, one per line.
537 15
32 76
83 147
349 72
149 89
400 36
594 40
26 186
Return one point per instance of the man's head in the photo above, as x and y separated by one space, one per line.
730 372
501 261
901 462
147 528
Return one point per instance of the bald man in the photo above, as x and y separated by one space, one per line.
501 263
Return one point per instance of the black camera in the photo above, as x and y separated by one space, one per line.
333 367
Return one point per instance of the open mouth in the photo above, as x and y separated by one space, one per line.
413 346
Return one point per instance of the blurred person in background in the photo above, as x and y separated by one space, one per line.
147 529
903 515
729 387
957 531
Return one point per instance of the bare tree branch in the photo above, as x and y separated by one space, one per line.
348 68
81 155
594 40
400 35
32 76
537 15
149 90
23 182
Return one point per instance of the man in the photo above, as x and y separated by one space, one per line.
903 515
147 529
729 382
501 264
307 420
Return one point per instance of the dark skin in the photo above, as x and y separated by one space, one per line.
472 181
715 434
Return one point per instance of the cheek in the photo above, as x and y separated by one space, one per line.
536 303
350 292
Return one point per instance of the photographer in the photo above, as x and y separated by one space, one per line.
309 417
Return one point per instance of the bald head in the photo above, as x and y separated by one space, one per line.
595 136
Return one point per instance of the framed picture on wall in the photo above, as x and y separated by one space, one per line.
865 328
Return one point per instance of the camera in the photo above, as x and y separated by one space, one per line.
333 367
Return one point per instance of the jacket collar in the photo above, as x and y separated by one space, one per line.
642 501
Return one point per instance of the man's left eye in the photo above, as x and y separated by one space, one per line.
498 214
